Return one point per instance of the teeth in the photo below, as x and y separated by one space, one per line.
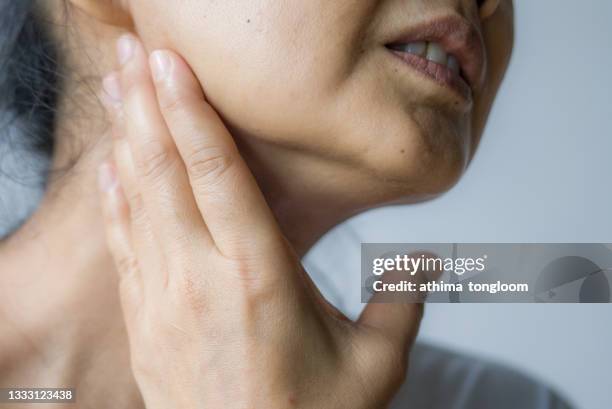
431 51
419 48
453 64
436 54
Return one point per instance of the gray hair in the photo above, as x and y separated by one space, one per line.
28 96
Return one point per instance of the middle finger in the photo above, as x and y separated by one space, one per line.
161 174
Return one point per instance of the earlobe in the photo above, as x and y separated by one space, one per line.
112 12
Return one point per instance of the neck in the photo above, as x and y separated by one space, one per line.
60 317
59 309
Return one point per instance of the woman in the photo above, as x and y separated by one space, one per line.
310 113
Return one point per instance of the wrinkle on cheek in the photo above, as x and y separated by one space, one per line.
352 24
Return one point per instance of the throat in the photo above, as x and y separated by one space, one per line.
60 315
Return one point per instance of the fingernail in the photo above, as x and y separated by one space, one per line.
112 86
107 178
161 64
125 48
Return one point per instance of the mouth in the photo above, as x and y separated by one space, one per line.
448 50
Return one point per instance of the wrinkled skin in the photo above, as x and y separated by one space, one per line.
328 123
315 78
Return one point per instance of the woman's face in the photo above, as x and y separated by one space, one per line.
397 90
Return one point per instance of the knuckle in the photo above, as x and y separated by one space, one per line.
137 208
188 291
255 288
130 295
153 158
127 266
207 164
172 100
130 87
244 270
117 216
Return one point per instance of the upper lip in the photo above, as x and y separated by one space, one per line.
458 37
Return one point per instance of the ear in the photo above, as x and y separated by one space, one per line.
111 12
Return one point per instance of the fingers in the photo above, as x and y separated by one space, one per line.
225 190
116 215
161 176
398 322
143 240
398 316
389 326
187 186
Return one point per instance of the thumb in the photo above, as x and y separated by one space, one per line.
397 315
398 322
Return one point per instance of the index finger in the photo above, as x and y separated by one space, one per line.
229 199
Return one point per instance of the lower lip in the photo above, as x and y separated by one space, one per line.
439 73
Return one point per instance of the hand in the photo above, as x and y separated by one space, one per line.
218 309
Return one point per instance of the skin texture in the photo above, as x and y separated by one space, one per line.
329 107
318 115
206 306
344 112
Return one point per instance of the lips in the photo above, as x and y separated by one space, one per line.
450 50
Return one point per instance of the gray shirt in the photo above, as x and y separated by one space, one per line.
437 378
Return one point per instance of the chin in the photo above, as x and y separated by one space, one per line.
426 177
423 156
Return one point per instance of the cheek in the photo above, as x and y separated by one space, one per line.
288 74
418 147
270 68
397 134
